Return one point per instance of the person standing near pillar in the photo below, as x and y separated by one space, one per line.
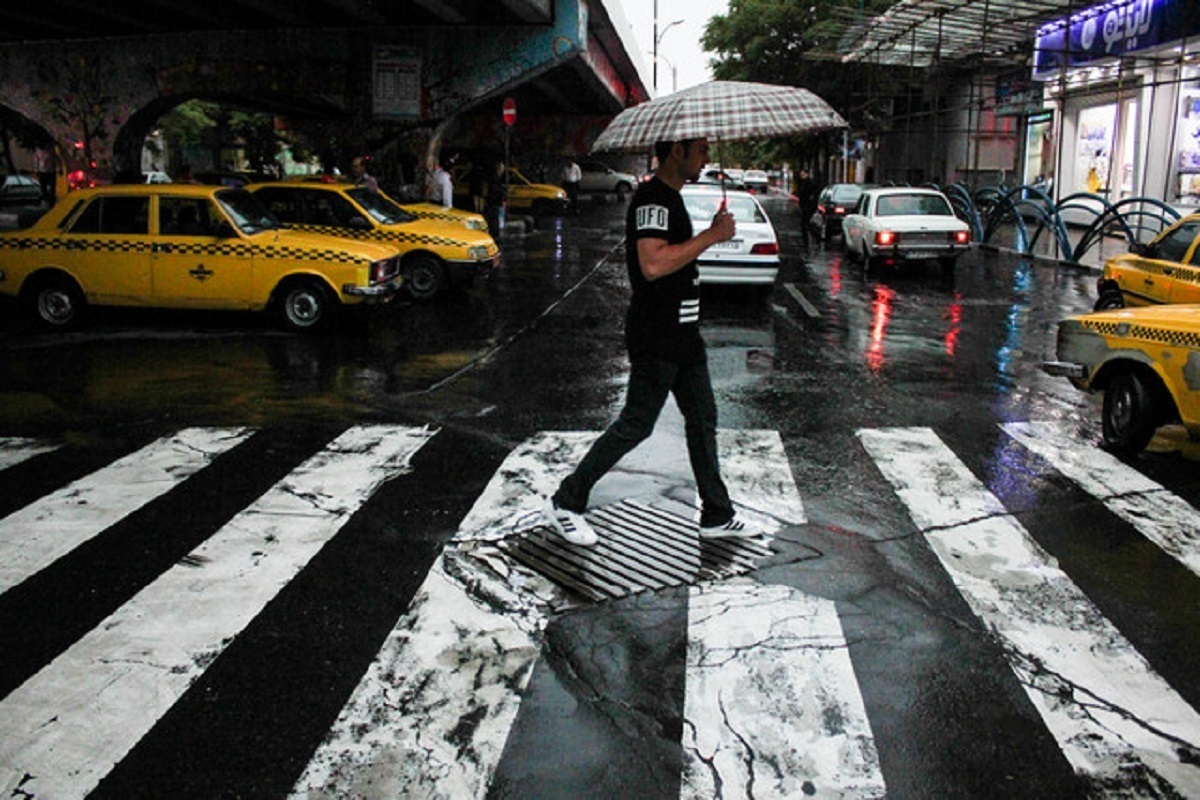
571 176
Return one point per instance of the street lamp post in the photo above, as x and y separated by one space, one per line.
658 38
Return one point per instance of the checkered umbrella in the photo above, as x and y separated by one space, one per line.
722 111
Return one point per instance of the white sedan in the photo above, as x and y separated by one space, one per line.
896 224
751 257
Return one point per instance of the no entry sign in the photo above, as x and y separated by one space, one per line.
510 111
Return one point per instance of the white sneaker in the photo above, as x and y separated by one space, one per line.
569 525
734 529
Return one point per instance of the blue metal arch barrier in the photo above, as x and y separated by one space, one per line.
1136 219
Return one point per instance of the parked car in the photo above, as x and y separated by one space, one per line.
20 190
422 210
434 254
834 202
893 225
1166 270
752 256
717 177
1143 360
756 180
185 246
540 199
598 177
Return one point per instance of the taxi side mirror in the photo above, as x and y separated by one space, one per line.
224 230
1139 249
359 224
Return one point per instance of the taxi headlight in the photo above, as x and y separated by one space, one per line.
476 225
477 253
562 195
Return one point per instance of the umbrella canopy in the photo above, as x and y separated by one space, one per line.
722 111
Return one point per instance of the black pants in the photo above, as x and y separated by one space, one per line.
649 382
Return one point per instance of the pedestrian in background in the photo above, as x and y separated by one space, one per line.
478 188
666 352
358 171
497 199
440 189
571 176
806 197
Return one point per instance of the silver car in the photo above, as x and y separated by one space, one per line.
751 257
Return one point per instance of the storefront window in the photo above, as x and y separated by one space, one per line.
1188 160
1093 152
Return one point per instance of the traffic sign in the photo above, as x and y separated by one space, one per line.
510 112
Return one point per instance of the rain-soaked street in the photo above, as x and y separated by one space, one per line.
245 563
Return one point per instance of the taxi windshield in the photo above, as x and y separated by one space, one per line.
247 213
380 207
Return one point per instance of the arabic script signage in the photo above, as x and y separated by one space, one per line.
1110 29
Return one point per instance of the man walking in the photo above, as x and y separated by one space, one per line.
806 197
666 352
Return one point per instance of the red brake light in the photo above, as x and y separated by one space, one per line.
839 209
764 249
886 238
962 237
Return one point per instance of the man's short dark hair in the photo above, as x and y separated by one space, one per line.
663 149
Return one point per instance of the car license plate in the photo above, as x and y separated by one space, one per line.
732 244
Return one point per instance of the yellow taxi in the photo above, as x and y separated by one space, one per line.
456 216
434 254
1146 361
542 199
186 246
1167 270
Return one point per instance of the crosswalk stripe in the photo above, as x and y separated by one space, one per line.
1162 517
469 643
1117 722
767 670
432 713
67 726
35 536
14 450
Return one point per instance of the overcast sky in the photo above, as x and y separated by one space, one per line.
680 44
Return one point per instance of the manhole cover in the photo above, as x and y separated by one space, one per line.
641 547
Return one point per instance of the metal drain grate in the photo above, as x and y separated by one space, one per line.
640 548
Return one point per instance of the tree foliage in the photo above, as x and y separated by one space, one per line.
797 43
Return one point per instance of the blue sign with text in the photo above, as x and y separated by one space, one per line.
1108 30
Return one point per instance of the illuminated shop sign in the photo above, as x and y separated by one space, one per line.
1107 30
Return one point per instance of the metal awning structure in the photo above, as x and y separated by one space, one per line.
921 33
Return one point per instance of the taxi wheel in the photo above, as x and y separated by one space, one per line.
57 303
424 277
1129 416
1110 299
305 305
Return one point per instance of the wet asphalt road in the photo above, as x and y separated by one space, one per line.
832 351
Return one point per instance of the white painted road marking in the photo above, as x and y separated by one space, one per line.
1117 722
67 726
767 670
1160 516
468 644
808 307
34 537
15 450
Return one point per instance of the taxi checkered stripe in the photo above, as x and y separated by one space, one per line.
192 248
80 245
382 236
1168 336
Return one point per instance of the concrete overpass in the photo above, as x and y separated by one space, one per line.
95 77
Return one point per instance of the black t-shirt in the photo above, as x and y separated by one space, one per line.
664 315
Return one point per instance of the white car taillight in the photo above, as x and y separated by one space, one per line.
765 249
886 238
962 237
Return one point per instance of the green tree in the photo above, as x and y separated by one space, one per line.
796 43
